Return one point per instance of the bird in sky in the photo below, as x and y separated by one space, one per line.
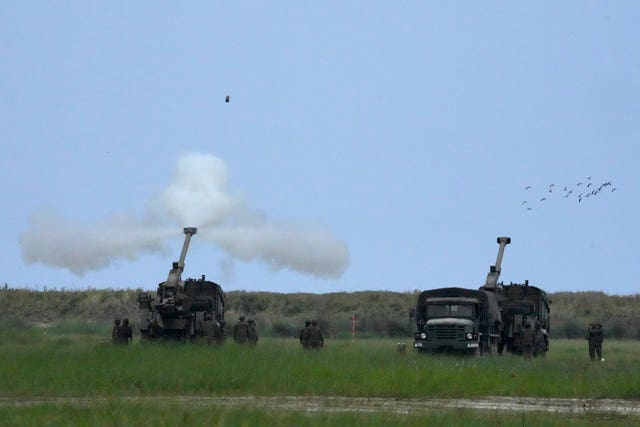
227 99
591 189
529 209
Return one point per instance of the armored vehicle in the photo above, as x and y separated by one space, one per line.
190 309
483 321
523 304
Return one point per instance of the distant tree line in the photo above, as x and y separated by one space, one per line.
371 313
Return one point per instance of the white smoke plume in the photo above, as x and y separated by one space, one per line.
55 241
309 251
197 196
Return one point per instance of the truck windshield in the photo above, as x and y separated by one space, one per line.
450 310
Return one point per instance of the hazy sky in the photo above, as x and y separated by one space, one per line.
366 145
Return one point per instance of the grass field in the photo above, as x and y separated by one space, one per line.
63 364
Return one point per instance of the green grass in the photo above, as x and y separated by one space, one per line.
116 413
69 365
65 363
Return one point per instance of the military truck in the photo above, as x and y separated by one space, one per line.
458 319
483 321
190 309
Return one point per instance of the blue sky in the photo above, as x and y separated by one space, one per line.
380 146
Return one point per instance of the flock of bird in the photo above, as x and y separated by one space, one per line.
581 191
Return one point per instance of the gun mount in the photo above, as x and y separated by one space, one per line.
192 309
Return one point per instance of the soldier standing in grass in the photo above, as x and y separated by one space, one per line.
115 331
304 335
595 336
528 340
124 333
241 331
316 341
253 333
540 345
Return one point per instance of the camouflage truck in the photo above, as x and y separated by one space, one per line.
458 319
190 309
483 321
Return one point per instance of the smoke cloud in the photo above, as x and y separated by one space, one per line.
196 196
55 241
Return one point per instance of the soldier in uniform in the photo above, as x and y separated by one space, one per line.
315 339
540 345
528 340
124 333
304 335
155 331
115 330
223 330
595 336
253 333
217 332
241 331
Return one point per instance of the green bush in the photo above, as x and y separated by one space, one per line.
380 313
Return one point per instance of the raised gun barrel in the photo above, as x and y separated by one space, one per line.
188 231
175 275
494 270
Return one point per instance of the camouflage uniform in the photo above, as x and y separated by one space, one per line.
223 331
124 333
595 336
241 331
528 340
304 335
315 339
253 333
115 330
155 331
540 345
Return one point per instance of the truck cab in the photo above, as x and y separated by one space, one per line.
449 323
457 319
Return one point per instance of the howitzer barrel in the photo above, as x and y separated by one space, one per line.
188 231
175 274
494 270
502 241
